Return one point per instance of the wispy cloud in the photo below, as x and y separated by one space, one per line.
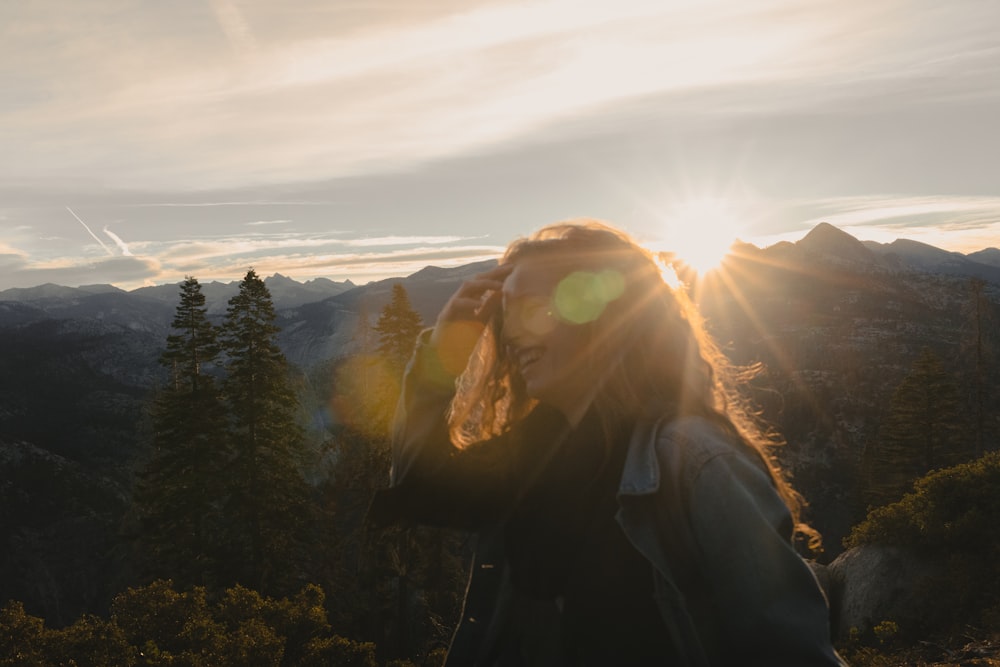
90 231
402 240
396 94
120 271
235 202
228 258
118 242
261 223
950 212
263 244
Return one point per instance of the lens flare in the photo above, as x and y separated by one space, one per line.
582 296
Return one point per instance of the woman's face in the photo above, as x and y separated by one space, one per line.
555 357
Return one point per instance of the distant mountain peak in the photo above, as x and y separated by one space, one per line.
989 256
100 288
828 241
53 291
924 250
825 233
919 256
428 272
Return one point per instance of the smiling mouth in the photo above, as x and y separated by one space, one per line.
526 357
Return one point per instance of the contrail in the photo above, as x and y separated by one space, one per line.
106 248
118 242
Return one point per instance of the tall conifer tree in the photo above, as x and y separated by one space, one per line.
978 351
922 431
398 326
179 494
268 506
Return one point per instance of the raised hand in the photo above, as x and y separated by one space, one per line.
463 318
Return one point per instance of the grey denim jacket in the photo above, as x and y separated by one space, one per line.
730 586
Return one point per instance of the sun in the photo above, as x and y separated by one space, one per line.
700 231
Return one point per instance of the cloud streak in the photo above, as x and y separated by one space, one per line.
124 272
90 231
118 242
225 258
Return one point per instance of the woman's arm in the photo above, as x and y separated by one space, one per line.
770 608
432 481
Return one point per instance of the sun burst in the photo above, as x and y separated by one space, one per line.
701 231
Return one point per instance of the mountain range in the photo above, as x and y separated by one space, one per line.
824 240
835 324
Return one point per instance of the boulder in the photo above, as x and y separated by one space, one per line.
871 584
822 574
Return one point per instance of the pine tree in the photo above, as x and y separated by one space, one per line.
398 327
370 379
921 432
179 493
978 352
267 507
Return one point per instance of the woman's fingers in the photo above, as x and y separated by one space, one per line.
489 305
476 298
462 319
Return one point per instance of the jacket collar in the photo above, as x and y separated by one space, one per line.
641 474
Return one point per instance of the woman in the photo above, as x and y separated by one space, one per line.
569 406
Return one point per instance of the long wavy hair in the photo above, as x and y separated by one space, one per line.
659 359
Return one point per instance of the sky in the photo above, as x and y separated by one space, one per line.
143 142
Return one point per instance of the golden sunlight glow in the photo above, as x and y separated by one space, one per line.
701 231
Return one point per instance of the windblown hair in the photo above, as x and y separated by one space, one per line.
660 361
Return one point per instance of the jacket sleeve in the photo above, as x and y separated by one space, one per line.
431 481
770 607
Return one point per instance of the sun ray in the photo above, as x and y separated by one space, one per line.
725 282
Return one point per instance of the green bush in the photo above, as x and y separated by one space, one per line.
954 509
252 643
21 636
165 621
339 651
952 517
91 641
299 619
157 626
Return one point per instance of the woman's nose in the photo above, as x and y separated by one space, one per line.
511 331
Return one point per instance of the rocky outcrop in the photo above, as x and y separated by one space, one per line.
872 584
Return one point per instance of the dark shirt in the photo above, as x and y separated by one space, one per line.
563 543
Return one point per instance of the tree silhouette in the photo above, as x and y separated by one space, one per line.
369 381
267 504
398 326
978 352
922 431
178 495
